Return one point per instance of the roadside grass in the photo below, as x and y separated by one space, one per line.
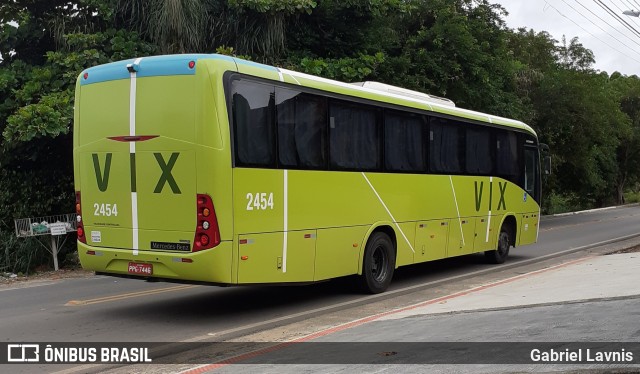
632 197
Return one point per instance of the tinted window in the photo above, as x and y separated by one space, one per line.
479 152
445 146
403 141
353 136
302 121
253 123
507 160
530 170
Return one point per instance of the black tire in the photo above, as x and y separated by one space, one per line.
499 255
378 264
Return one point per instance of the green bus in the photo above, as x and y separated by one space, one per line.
212 169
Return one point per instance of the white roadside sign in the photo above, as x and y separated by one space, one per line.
58 228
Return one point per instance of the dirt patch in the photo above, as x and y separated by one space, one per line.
40 276
626 250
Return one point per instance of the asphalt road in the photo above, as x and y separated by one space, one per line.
429 343
103 309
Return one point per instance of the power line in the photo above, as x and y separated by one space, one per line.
589 32
617 17
630 8
638 4
603 20
626 3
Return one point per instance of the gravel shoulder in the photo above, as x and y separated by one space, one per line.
7 280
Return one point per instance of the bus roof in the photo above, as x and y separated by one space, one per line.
178 65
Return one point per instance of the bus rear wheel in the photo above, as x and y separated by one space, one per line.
499 255
378 264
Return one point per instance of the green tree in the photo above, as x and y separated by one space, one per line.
627 92
45 45
250 27
582 125
575 56
176 26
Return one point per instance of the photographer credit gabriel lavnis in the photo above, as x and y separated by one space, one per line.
581 355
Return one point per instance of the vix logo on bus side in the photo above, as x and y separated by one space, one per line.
102 176
501 203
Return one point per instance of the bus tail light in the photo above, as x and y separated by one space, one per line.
80 225
207 231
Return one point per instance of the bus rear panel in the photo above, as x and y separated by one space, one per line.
151 170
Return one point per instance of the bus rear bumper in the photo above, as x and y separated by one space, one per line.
210 266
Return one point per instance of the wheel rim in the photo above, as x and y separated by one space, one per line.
503 246
379 264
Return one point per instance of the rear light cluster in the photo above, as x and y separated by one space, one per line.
207 231
81 235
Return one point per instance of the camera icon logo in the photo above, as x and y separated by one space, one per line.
23 352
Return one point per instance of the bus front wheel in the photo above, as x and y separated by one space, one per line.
378 264
499 255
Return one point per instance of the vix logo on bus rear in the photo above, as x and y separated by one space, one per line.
102 176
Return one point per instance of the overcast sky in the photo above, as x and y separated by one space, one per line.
615 45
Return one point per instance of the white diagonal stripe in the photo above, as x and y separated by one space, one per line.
390 215
457 209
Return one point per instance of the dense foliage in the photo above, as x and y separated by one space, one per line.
460 49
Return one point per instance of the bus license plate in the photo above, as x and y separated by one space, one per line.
139 268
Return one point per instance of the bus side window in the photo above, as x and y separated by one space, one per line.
479 153
254 131
301 119
507 160
354 139
404 142
530 170
445 146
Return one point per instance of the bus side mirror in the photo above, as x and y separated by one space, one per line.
547 165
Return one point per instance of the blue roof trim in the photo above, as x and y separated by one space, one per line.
150 67
108 72
166 65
